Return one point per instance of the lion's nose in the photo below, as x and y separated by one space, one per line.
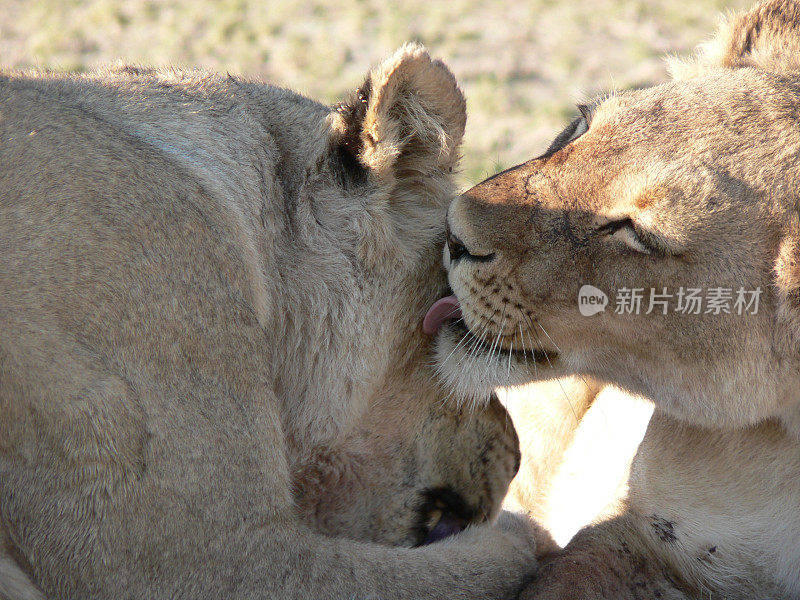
455 246
459 250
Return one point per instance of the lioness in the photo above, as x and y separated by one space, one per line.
687 185
213 382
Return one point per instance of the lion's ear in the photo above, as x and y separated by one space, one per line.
406 120
787 283
766 37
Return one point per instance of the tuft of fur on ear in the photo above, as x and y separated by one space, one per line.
787 282
407 118
766 37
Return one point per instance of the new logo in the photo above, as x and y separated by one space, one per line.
591 300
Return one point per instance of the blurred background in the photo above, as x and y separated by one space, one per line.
523 64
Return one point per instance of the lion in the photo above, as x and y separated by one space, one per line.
659 192
213 378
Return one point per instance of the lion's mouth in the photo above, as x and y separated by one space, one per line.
443 513
443 310
492 347
448 309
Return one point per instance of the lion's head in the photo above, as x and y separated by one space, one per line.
683 190
357 241
411 474
378 453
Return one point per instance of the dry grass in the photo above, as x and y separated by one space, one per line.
523 64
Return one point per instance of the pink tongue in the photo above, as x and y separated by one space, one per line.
442 310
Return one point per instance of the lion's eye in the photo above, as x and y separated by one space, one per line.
625 231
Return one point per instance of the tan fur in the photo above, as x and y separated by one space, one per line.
213 380
706 167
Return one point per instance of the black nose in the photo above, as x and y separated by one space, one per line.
456 247
459 250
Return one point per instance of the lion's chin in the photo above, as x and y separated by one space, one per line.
471 372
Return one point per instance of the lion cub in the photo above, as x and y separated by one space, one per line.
213 379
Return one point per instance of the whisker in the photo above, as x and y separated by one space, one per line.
480 340
499 334
452 313
464 338
522 342
561 385
533 355
589 387
477 341
548 337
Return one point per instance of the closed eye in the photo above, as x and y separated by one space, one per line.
626 231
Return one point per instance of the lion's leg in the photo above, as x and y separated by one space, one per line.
605 562
710 513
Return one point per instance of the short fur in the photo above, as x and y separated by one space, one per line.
213 382
706 167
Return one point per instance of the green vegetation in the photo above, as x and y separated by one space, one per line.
523 64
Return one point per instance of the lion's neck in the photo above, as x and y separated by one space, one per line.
345 348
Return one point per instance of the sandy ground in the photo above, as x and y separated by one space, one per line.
523 64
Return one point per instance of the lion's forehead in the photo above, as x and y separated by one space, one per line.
723 105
